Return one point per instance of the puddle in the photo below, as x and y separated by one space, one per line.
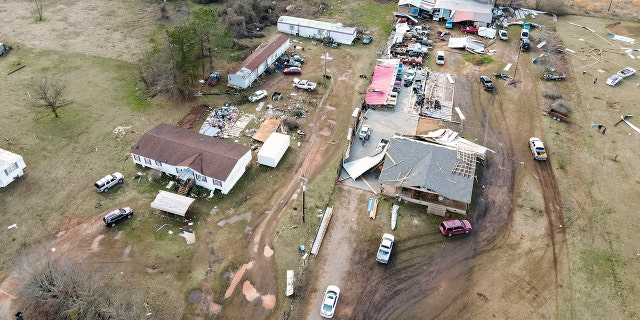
268 301
268 252
249 291
244 216
236 278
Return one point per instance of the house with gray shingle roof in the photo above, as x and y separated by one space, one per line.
438 176
210 162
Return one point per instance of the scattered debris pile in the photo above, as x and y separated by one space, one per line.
218 119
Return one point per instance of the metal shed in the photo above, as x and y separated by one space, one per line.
317 29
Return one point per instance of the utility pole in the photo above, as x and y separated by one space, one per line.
326 55
304 189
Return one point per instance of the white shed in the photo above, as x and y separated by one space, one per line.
317 29
273 149
247 71
11 167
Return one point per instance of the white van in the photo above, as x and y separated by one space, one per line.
440 57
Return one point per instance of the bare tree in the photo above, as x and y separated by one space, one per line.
51 94
39 4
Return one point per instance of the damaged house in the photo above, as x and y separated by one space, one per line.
433 171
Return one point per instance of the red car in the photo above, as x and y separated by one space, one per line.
414 61
451 227
469 29
292 70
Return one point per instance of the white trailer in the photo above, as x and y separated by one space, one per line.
487 33
317 29
273 149
11 167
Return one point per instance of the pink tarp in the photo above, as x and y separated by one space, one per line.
381 83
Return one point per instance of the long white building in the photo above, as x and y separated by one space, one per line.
317 29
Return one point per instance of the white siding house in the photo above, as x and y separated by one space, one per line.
247 71
211 162
11 167
317 29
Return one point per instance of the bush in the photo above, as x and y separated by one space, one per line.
552 93
57 289
291 123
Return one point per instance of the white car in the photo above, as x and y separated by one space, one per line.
503 35
108 181
384 251
304 84
409 75
537 149
260 94
329 301
614 80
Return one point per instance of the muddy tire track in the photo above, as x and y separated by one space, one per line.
557 229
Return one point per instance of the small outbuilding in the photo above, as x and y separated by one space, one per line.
317 29
273 149
247 71
11 167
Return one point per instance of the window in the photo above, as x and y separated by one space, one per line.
217 182
136 157
158 163
147 161
204 179
13 167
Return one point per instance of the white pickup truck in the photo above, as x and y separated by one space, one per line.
304 84
384 251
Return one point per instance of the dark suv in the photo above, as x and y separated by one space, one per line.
111 218
525 45
486 83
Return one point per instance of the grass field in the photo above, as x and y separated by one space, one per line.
66 155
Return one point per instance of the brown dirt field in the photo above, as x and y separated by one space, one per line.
551 240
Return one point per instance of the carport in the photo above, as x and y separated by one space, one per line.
172 203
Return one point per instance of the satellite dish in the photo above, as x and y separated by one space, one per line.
440 198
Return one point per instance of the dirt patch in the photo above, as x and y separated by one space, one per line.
86 27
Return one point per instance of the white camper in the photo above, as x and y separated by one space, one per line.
11 167
273 149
